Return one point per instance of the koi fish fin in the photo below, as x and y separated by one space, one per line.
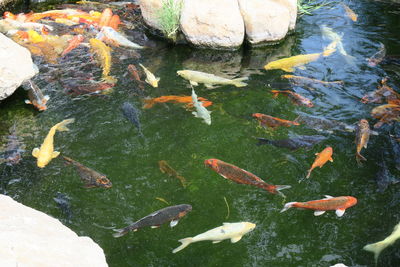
318 212
331 159
340 212
193 83
173 223
278 189
35 152
148 103
195 114
302 67
55 154
365 146
239 82
46 98
288 206
236 239
123 231
154 226
316 154
288 69
185 242
360 157
309 173
328 196
28 102
275 93
376 248
209 86
158 79
217 241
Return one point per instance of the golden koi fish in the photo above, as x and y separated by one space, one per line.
350 13
46 152
290 63
150 78
103 53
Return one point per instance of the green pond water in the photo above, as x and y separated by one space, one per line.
103 139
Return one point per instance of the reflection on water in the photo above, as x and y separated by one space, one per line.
105 140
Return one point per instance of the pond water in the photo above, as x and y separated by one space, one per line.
103 139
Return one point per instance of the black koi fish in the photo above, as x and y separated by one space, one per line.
293 143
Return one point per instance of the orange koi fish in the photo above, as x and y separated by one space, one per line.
175 99
105 17
350 13
384 91
240 176
362 138
296 98
73 43
385 114
54 14
340 204
114 22
273 122
135 74
322 158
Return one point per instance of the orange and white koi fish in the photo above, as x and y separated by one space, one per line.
105 17
73 43
289 64
296 98
103 53
175 99
340 204
362 138
240 176
108 34
322 158
350 13
273 122
36 97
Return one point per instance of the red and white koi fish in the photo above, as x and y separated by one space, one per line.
340 204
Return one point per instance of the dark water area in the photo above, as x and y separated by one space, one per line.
103 139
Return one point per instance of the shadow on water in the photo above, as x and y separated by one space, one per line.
104 139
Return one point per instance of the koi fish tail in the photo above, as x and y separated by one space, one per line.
122 232
67 160
288 206
275 93
360 157
185 242
328 51
62 125
376 248
238 82
309 173
148 103
278 189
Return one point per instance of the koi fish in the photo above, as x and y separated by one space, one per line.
201 111
304 80
108 34
378 57
170 214
132 114
12 153
196 77
105 17
46 152
383 177
322 124
91 88
293 143
384 91
290 63
340 204
296 98
334 37
36 97
165 168
232 231
114 22
134 72
150 78
362 138
322 158
53 14
240 176
73 43
395 145
350 13
377 247
10 24
273 122
175 99
90 177
103 53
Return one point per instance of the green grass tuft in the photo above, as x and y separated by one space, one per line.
307 7
169 16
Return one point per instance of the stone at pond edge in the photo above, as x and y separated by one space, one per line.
31 238
266 20
210 23
16 66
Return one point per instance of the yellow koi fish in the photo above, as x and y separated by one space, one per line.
103 53
46 152
150 78
350 13
290 63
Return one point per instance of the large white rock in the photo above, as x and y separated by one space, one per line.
212 23
31 238
16 66
266 20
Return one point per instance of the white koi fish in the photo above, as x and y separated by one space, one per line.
377 247
10 24
201 111
111 34
46 152
328 33
232 231
196 77
150 78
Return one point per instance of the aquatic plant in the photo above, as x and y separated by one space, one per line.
306 7
169 15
